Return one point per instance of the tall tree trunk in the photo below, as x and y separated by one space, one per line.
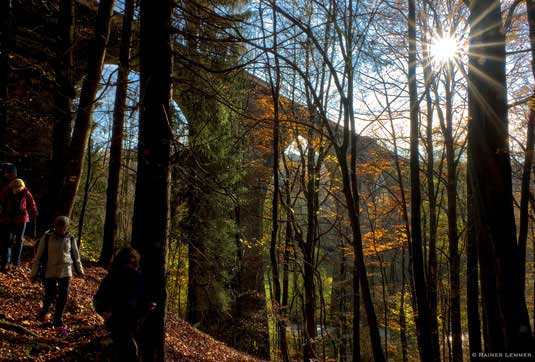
87 188
356 312
151 207
339 299
82 127
352 198
446 123
430 173
5 46
198 301
356 283
402 316
310 304
422 318
309 247
533 261
63 97
362 286
273 250
524 196
405 220
285 275
526 172
472 283
358 262
114 170
504 306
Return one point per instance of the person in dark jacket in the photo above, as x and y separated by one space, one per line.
20 205
8 173
57 255
121 301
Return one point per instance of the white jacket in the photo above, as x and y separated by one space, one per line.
62 255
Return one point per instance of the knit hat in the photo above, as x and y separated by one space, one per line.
17 185
62 221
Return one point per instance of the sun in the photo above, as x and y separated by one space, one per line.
444 49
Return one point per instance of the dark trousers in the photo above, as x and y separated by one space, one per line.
56 289
17 234
125 347
5 245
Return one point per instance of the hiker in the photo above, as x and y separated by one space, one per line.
120 300
56 257
8 173
20 205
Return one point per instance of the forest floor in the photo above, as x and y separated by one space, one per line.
24 338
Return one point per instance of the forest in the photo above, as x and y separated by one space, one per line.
301 180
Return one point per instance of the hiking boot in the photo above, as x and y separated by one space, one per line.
62 331
43 316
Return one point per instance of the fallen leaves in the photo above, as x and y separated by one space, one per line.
21 302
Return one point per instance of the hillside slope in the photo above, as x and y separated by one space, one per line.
24 338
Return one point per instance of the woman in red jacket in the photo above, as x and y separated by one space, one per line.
20 206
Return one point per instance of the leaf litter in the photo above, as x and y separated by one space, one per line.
20 302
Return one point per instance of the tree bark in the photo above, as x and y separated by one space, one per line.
446 123
472 282
402 316
524 196
87 187
526 172
358 262
289 242
273 249
422 318
151 206
505 312
82 128
63 97
309 246
432 268
6 40
310 304
307 243
114 170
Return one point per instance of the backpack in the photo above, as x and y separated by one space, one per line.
17 200
6 166
44 258
103 295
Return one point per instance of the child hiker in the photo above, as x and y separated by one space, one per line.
120 300
56 257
